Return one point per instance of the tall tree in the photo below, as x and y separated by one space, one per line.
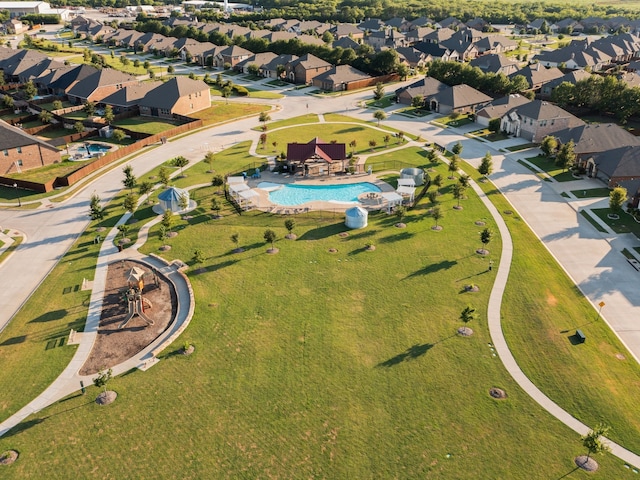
617 197
486 165
96 210
566 157
379 115
108 114
131 203
129 181
378 93
144 188
549 145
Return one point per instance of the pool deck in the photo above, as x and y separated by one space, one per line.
263 203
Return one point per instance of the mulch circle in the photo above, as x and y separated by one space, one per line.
343 234
165 248
465 331
238 250
188 351
482 251
333 250
401 225
480 223
508 212
590 465
106 398
290 236
497 393
172 234
436 228
124 241
472 288
370 248
101 229
458 207
272 251
619 356
8 457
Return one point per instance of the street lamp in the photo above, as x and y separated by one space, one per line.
15 185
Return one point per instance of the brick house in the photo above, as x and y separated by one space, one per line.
99 85
180 95
306 68
20 151
537 119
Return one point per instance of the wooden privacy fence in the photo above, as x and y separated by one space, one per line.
368 82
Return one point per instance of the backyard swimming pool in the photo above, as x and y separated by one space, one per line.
289 195
84 151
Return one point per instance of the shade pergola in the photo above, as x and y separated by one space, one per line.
245 198
407 192
236 188
393 199
406 182
235 180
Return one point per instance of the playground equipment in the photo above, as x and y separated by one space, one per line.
137 304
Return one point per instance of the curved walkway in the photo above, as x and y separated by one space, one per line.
502 348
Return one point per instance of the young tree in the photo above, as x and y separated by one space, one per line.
131 203
485 237
180 162
269 236
353 144
129 181
170 69
592 441
417 101
437 182
144 188
217 181
183 202
167 220
372 144
146 65
494 125
486 166
226 92
123 229
290 224
616 198
433 197
163 176
104 376
57 104
464 180
162 233
118 135
457 149
30 90
378 93
45 116
8 101
108 114
453 166
379 115
386 139
198 256
209 159
235 238
263 139
215 206
400 136
566 155
89 108
78 127
458 192
96 211
280 71
264 118
549 145
432 156
436 213
467 314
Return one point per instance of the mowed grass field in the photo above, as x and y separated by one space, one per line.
313 364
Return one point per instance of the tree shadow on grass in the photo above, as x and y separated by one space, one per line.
50 316
435 267
363 234
213 268
23 426
568 473
411 353
13 341
323 232
398 237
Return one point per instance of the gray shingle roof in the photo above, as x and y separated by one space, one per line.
461 96
167 94
12 137
597 137
107 76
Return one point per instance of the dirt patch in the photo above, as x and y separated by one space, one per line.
480 223
114 345
8 457
333 250
551 300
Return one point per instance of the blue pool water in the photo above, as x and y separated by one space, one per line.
95 148
289 195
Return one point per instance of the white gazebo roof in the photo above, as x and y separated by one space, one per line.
238 187
392 197
404 190
248 194
235 180
406 182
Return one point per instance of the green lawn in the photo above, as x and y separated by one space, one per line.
453 121
116 64
16 242
348 388
549 166
145 124
254 93
221 112
289 122
595 224
48 172
338 365
592 192
362 134
278 83
489 135
625 224
524 146
384 102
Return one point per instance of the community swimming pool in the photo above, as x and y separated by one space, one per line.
289 195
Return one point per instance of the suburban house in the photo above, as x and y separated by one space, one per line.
459 99
495 63
572 77
437 52
537 119
317 157
179 95
270 69
345 42
338 78
346 30
596 138
426 87
537 75
499 107
99 85
257 59
418 34
20 151
615 167
128 98
306 68
28 71
231 55
412 57
62 83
